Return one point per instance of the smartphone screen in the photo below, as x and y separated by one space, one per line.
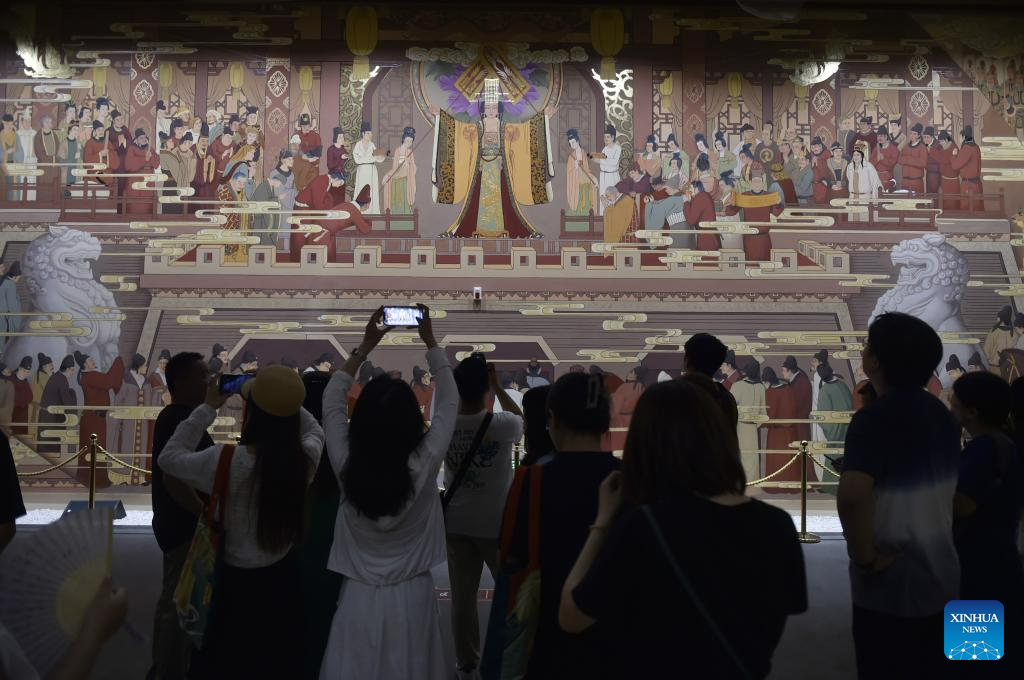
402 316
232 384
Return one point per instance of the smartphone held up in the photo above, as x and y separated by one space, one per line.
402 317
230 383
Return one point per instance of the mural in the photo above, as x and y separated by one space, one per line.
251 186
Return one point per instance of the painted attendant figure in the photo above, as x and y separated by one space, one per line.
865 133
608 161
967 162
310 147
131 437
949 184
932 175
58 392
885 158
22 395
701 208
398 190
336 156
317 196
580 183
367 157
836 174
96 387
140 159
757 205
913 161
819 165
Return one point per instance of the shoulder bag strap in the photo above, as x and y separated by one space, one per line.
219 492
467 460
692 594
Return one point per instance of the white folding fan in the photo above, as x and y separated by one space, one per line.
49 577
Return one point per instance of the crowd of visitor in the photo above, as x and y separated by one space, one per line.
602 567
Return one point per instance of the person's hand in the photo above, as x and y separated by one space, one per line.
426 328
374 333
214 397
434 111
492 377
106 612
609 499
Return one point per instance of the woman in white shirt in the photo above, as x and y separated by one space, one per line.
390 529
862 177
257 604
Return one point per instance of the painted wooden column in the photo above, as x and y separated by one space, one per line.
202 89
643 80
643 109
330 104
694 92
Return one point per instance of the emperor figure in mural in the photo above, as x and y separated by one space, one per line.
492 167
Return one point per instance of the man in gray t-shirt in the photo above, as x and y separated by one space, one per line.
473 516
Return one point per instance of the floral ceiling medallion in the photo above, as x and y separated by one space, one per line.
822 102
694 90
918 67
919 104
143 92
277 83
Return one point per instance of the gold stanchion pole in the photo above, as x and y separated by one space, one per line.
804 535
93 439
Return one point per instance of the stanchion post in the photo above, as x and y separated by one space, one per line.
804 535
93 444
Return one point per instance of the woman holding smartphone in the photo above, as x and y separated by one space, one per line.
390 529
258 601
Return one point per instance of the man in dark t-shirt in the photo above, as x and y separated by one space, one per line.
176 509
11 505
895 501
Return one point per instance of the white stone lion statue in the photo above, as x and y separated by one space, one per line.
932 279
57 268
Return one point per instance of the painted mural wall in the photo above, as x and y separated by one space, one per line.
251 185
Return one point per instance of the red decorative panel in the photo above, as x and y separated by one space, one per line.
144 93
823 104
277 121
694 90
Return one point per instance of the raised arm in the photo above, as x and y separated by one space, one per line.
507 404
336 393
336 417
180 458
312 439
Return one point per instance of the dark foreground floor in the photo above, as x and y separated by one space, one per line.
817 644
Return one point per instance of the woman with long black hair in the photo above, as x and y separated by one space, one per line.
256 628
390 530
690 557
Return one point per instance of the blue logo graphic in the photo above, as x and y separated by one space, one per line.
973 630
